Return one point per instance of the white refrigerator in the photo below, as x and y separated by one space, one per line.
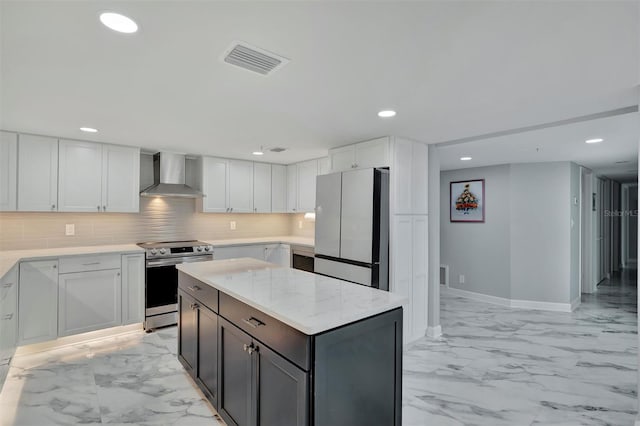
352 226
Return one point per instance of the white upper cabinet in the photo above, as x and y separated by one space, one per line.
96 177
261 188
292 188
37 173
324 166
120 179
80 177
307 173
8 171
215 175
240 186
278 188
342 158
373 153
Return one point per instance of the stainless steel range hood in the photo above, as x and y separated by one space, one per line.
169 177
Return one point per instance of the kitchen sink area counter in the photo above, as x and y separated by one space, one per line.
299 241
9 258
272 345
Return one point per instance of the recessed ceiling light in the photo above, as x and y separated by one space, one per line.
119 23
595 140
465 158
89 129
387 113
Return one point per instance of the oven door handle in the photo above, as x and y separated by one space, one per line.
177 261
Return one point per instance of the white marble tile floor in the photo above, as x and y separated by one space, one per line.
493 366
500 366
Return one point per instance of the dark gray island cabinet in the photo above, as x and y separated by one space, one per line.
257 369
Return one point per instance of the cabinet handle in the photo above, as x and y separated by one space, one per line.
252 349
194 306
104 208
55 266
194 288
253 322
92 263
53 206
7 317
231 209
118 273
245 347
7 285
98 208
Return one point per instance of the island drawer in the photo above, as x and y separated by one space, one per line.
289 342
205 294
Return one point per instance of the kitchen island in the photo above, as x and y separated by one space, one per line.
277 346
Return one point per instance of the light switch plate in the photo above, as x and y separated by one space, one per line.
232 225
70 229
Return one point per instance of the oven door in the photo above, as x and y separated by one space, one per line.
161 295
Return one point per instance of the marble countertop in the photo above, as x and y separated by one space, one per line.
307 302
8 258
300 241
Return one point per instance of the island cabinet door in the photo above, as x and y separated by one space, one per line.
187 332
235 369
283 393
207 369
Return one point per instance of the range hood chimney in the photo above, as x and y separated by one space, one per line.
169 177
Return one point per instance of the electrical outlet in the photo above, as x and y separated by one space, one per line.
70 229
461 279
299 224
232 225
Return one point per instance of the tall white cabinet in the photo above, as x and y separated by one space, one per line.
409 257
37 173
8 171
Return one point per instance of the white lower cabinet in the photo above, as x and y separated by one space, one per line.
132 288
280 254
37 301
8 317
89 301
234 252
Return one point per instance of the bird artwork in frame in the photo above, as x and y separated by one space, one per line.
467 201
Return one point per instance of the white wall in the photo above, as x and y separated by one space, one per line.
479 251
540 232
633 224
527 249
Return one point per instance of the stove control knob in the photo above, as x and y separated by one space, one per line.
207 248
153 251
163 251
199 248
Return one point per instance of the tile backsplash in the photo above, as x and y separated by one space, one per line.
160 219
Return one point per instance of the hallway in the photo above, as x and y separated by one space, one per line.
501 366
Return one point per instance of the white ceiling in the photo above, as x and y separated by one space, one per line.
621 135
450 69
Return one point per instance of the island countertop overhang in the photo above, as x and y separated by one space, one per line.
309 303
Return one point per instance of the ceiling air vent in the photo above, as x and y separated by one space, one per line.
277 149
253 58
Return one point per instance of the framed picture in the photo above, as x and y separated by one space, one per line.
467 201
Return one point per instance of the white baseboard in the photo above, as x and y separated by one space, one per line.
541 306
576 302
510 303
477 296
434 332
